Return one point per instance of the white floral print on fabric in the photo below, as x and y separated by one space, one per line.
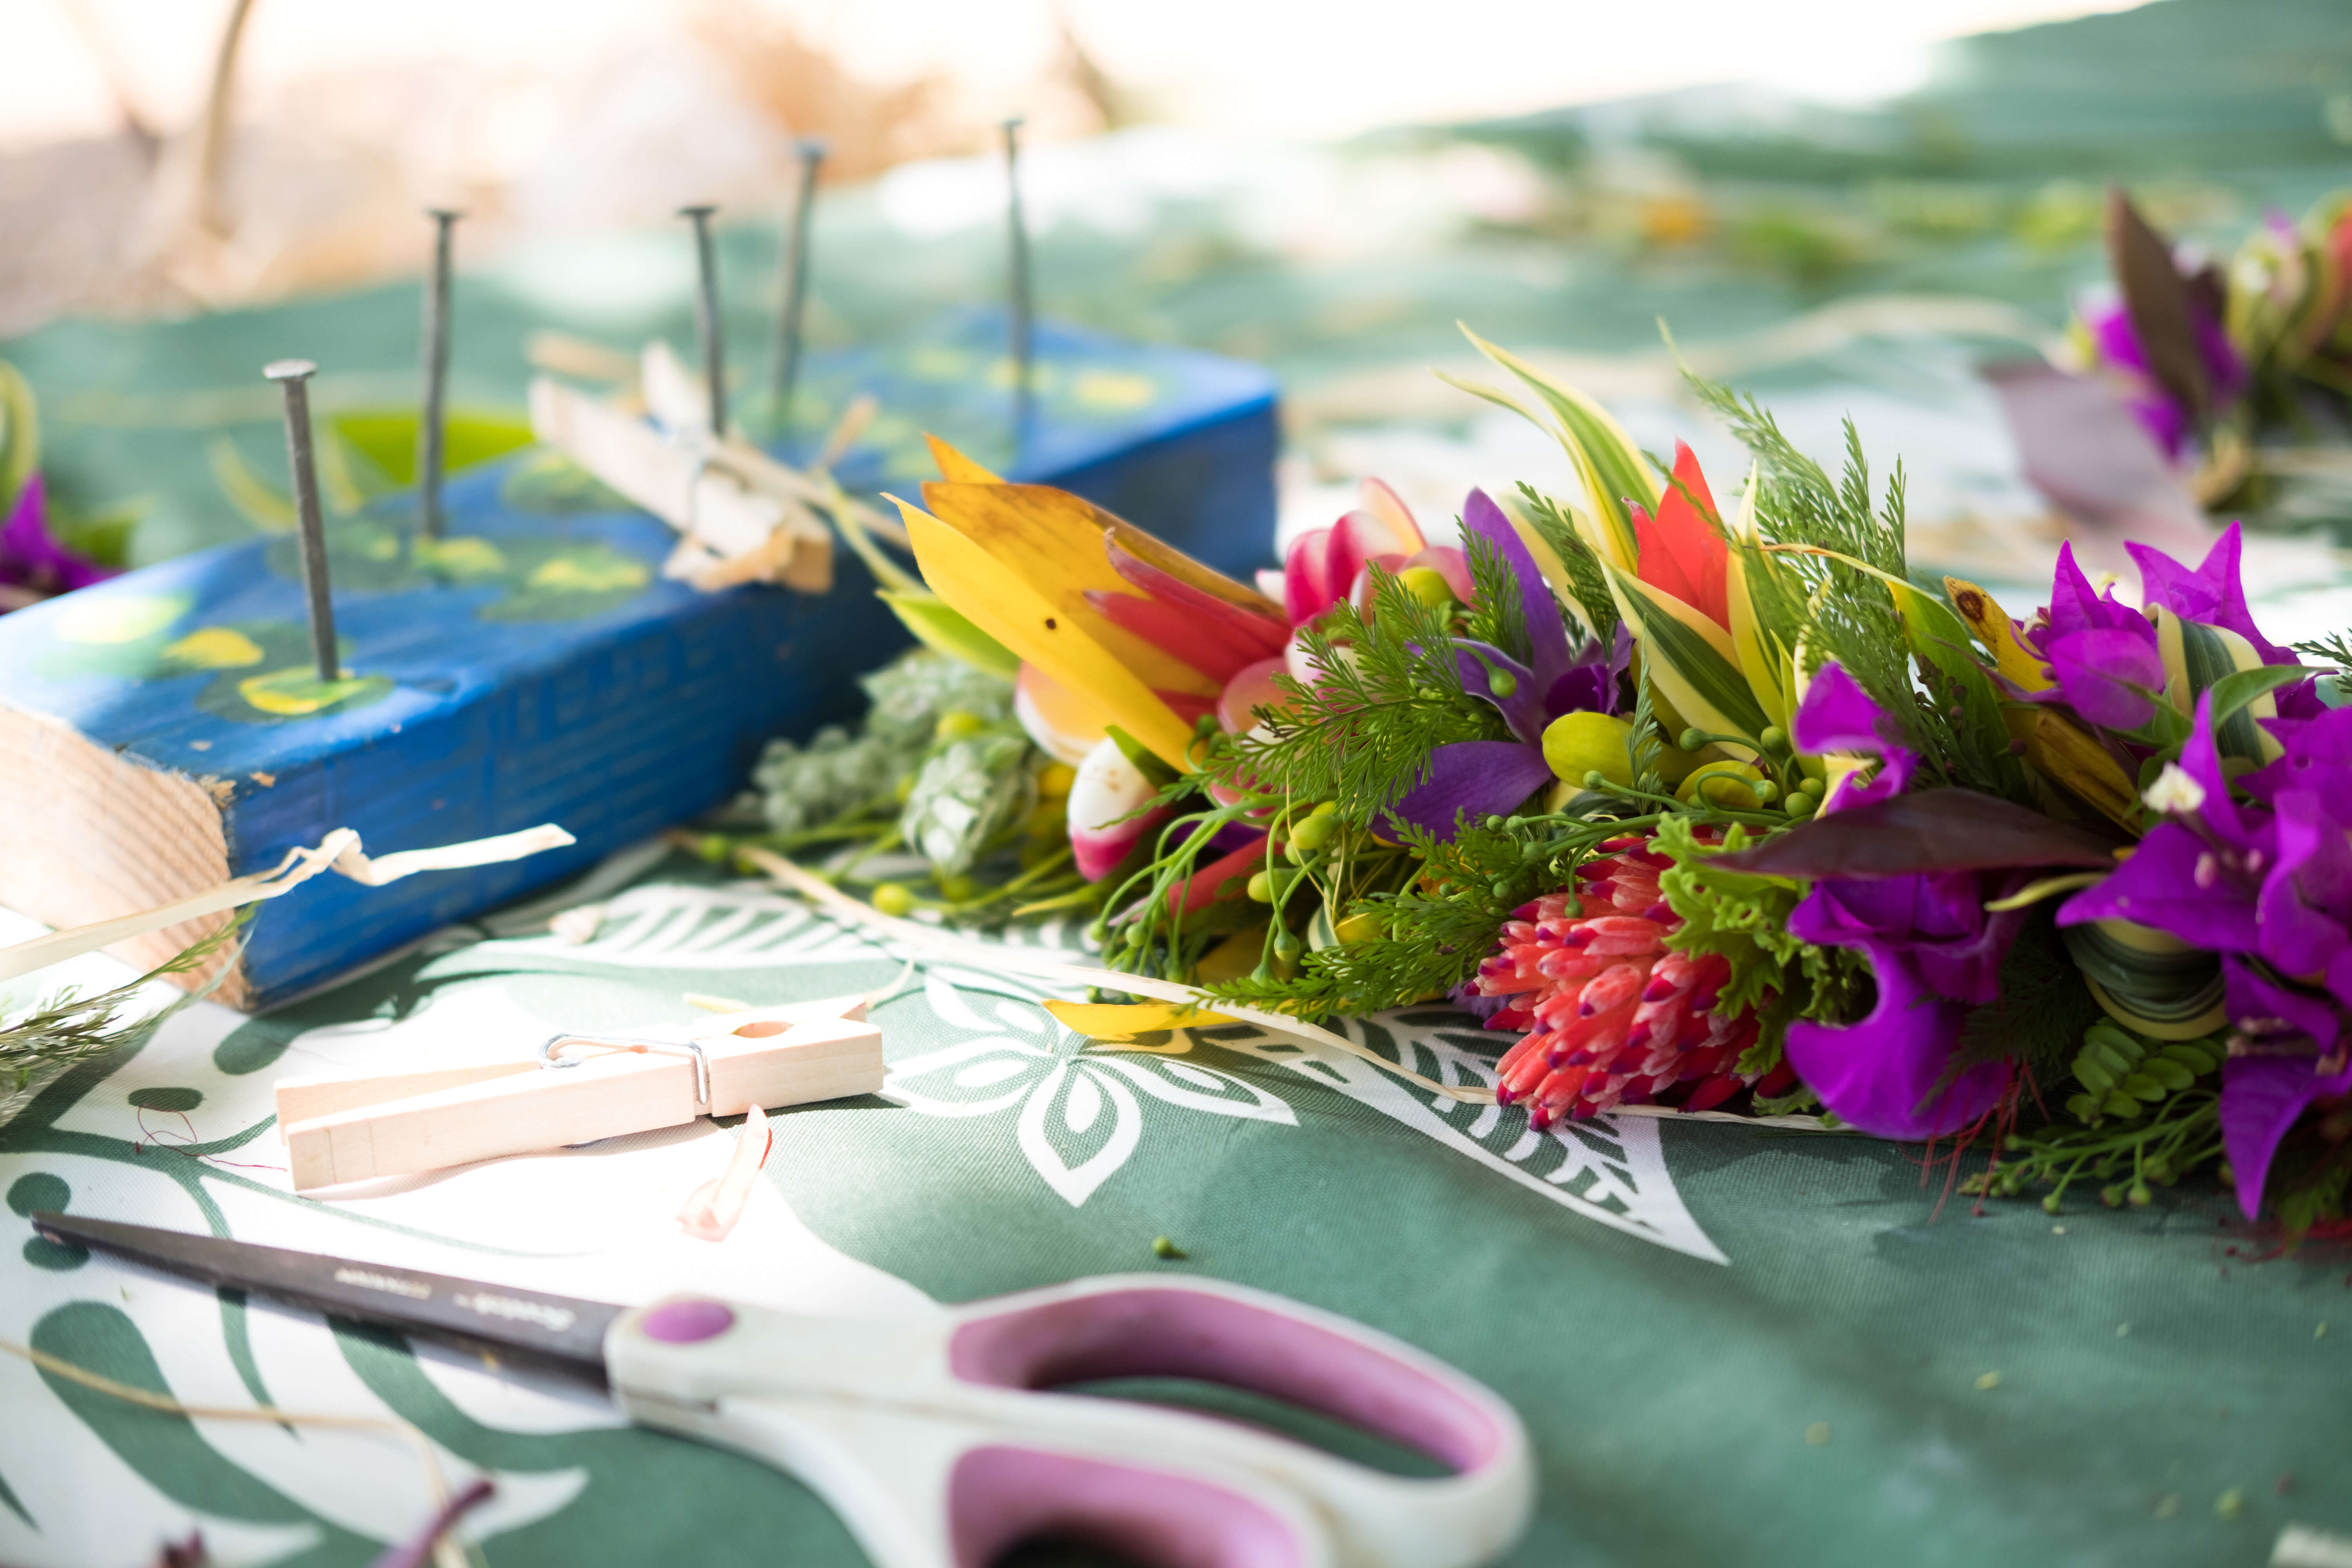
1075 1110
1079 1118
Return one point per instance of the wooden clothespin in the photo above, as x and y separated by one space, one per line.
579 1088
730 529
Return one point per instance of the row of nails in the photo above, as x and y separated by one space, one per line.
293 374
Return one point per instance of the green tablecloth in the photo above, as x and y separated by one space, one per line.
1731 1344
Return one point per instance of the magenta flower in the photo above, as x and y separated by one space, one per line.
2268 886
2212 594
1934 951
2102 653
32 560
2158 409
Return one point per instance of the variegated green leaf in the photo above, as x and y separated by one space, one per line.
2196 659
1689 658
1607 461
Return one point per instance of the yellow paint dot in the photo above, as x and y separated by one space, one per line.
1818 1433
215 648
2231 1503
466 557
2167 1506
575 574
290 693
1989 1381
938 364
1116 389
119 617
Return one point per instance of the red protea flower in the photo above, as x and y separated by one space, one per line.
1613 1016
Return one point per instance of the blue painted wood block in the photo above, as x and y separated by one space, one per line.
1180 443
164 730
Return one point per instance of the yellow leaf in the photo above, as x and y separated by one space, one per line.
955 468
1117 1021
2018 664
1053 541
1769 670
995 596
2070 755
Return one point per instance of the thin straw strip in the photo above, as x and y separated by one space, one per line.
339 851
822 893
450 1553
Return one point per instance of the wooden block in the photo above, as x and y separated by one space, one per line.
165 730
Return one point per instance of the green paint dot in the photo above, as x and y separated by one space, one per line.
166 1099
54 1255
249 1049
40 1191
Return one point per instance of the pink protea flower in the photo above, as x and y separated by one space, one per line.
1612 1015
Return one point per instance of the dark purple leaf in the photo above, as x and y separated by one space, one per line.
2156 299
1929 830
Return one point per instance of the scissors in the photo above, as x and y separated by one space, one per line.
941 1442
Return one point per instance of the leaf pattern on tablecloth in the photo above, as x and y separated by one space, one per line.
1077 1117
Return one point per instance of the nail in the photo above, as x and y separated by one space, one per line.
706 313
432 434
792 286
294 375
1017 308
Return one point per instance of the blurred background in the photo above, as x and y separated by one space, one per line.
1849 208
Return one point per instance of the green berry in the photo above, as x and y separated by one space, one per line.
1312 833
1431 588
1692 739
1261 887
1774 739
1801 803
891 899
957 723
1164 1248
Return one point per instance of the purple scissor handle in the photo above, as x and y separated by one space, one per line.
940 1442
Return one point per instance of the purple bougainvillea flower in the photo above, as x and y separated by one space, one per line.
2269 887
2260 1098
30 556
2110 678
2165 416
2316 755
2213 594
1934 951
1888 1073
1837 715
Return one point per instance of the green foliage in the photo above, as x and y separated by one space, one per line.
1361 735
2334 649
2146 1113
1744 919
1835 612
1497 610
836 778
2042 1010
70 1026
1586 580
1440 924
